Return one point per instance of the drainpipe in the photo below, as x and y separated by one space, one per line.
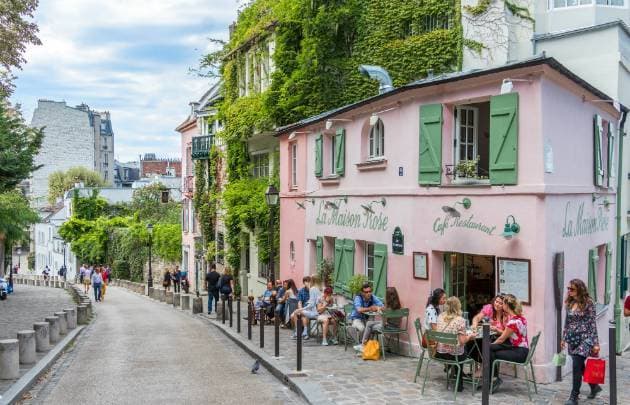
380 74
620 178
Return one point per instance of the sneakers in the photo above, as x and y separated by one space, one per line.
324 342
571 401
496 385
334 341
304 337
358 348
594 392
294 336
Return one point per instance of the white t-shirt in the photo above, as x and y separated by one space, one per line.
430 316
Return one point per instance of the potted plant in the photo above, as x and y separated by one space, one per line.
325 271
467 168
356 283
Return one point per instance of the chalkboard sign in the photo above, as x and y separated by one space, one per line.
515 278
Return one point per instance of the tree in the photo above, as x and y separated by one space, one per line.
59 182
148 205
16 32
19 144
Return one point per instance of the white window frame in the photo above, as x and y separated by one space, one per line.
293 148
376 140
257 168
458 128
368 256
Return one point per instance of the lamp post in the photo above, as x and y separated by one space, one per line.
65 270
19 253
271 196
150 279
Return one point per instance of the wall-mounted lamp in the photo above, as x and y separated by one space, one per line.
510 229
330 204
368 208
375 115
302 205
508 85
382 201
330 122
452 212
293 134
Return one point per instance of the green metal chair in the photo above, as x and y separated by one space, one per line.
389 330
528 362
345 324
418 324
450 339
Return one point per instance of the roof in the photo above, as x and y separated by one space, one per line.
560 34
450 78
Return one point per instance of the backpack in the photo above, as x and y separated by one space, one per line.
224 288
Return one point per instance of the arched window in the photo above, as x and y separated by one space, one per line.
376 140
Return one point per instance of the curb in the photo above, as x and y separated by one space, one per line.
15 392
308 391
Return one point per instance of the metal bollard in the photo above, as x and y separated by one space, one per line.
612 362
223 310
230 309
299 342
261 320
249 321
485 353
276 327
216 303
238 316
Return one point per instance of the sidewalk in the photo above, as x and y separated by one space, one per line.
343 378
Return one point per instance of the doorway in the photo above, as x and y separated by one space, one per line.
471 278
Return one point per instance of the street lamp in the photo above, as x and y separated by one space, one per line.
65 270
150 279
271 196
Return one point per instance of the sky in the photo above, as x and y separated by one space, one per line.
129 57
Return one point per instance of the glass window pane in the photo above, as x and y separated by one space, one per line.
602 2
591 1
573 3
616 2
559 3
471 117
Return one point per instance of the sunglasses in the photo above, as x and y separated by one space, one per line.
367 292
570 288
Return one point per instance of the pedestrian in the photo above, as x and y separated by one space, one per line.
177 278
87 274
63 271
226 286
626 307
580 335
212 281
82 273
185 282
166 283
105 276
46 272
97 282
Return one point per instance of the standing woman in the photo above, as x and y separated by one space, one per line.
580 335
167 280
97 281
432 311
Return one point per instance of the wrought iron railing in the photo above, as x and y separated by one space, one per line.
201 146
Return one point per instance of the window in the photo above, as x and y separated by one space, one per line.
185 260
260 165
220 247
599 275
292 253
376 140
185 216
293 149
333 162
263 270
369 260
472 146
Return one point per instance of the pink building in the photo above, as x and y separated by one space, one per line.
475 182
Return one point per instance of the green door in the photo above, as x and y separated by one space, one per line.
455 279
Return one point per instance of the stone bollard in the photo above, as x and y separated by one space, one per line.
26 342
82 315
42 336
63 322
71 317
169 297
151 292
176 300
162 296
53 329
197 305
185 304
9 359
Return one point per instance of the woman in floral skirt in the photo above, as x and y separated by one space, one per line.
580 335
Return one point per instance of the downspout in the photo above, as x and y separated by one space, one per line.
380 74
620 177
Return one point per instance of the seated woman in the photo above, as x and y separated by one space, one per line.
290 301
437 298
494 313
512 345
451 321
391 302
325 317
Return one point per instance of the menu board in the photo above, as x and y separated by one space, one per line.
515 278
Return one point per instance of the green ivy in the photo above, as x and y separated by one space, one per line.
479 9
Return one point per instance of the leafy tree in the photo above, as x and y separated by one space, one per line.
59 182
19 144
148 206
15 216
167 242
89 208
16 32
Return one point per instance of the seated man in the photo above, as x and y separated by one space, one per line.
310 309
364 302
267 300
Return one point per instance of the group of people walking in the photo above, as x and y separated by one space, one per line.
96 277
178 279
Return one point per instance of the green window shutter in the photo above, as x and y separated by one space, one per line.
319 164
504 139
380 270
338 283
447 275
611 156
430 159
320 251
609 260
348 264
340 152
592 273
597 148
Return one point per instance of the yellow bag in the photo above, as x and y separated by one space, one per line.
371 350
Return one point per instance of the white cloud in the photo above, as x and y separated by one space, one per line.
115 56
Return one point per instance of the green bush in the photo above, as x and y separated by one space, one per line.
120 270
356 282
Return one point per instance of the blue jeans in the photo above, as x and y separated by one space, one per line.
213 294
97 291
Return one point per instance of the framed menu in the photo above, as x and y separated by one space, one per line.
515 278
420 266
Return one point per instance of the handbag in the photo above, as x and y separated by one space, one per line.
559 359
594 371
372 350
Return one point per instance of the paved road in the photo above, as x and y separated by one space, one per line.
142 351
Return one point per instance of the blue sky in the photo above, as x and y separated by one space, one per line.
131 57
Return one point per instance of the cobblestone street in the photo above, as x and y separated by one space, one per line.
137 350
347 379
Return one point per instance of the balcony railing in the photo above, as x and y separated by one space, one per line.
201 146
